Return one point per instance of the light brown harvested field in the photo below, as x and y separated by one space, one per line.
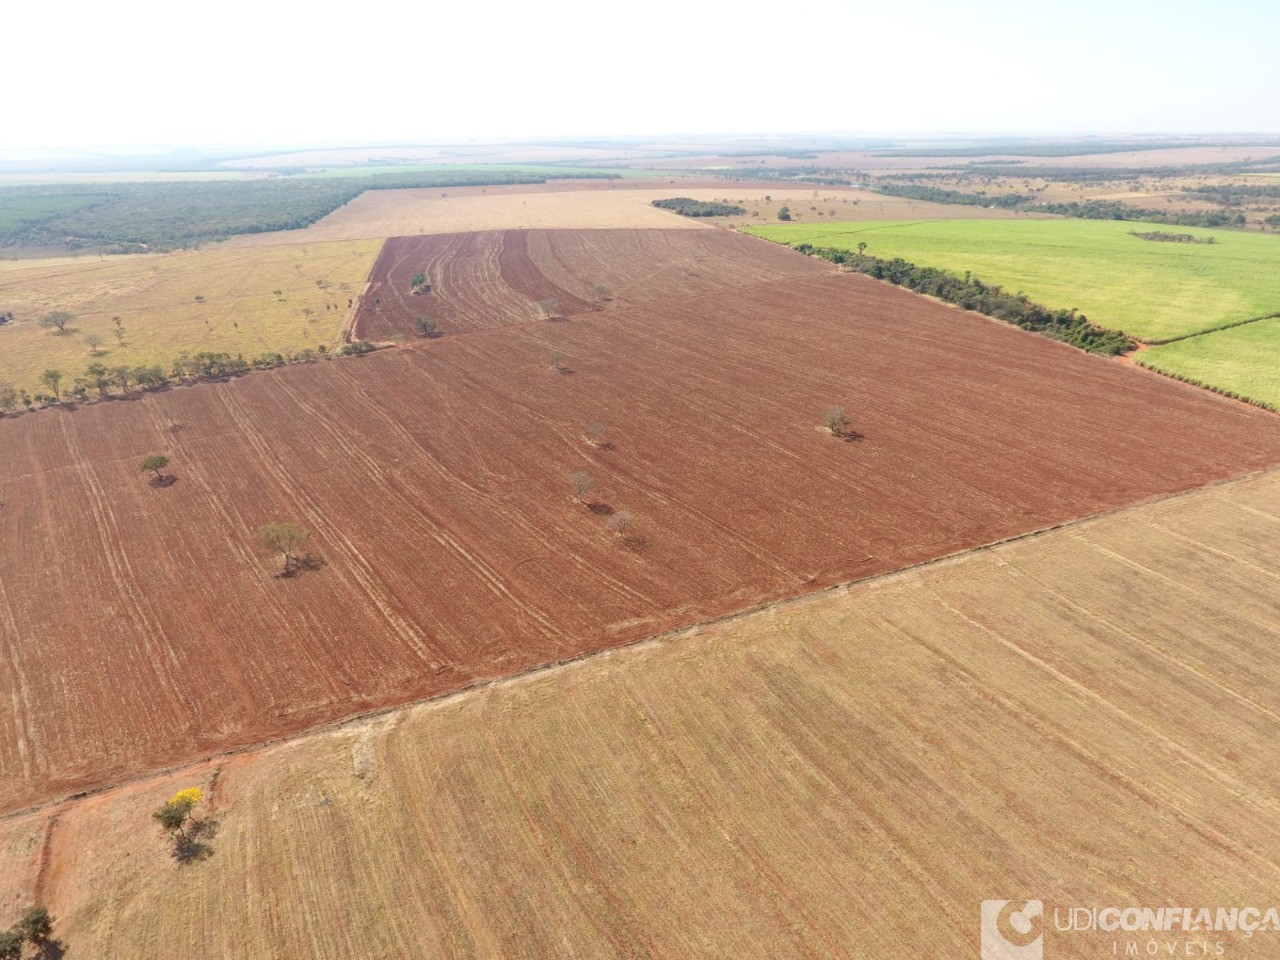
138 627
1080 717
578 205
155 297
496 278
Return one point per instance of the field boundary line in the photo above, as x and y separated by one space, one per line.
653 640
1205 332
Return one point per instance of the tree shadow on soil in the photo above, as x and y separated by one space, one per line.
166 480
600 509
849 435
196 845
50 950
300 565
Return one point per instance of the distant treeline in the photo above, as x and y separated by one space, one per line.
970 293
1102 174
1159 236
819 176
688 207
121 217
1071 148
1233 195
1082 210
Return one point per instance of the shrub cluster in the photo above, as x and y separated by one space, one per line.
688 207
970 293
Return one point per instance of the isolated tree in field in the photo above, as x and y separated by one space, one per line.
94 342
596 434
175 814
418 282
784 213
549 307
558 363
285 539
835 420
52 379
58 319
620 523
155 463
426 327
117 327
582 484
862 245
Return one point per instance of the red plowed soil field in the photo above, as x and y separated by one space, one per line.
140 627
496 278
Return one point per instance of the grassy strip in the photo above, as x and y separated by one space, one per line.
970 293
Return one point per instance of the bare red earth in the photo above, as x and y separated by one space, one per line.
139 627
496 278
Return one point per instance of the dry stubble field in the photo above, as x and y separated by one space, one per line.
589 205
138 627
1077 717
154 295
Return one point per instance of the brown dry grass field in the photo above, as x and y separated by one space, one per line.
138 627
154 294
589 205
497 278
1078 717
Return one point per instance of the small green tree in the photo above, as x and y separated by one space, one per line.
94 342
52 379
284 539
419 280
784 213
426 327
155 463
862 245
10 945
100 377
36 926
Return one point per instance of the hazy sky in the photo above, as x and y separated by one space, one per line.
144 71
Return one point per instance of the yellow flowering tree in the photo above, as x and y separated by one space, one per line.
173 816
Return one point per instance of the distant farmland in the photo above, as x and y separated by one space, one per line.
250 301
140 628
1150 290
1078 717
